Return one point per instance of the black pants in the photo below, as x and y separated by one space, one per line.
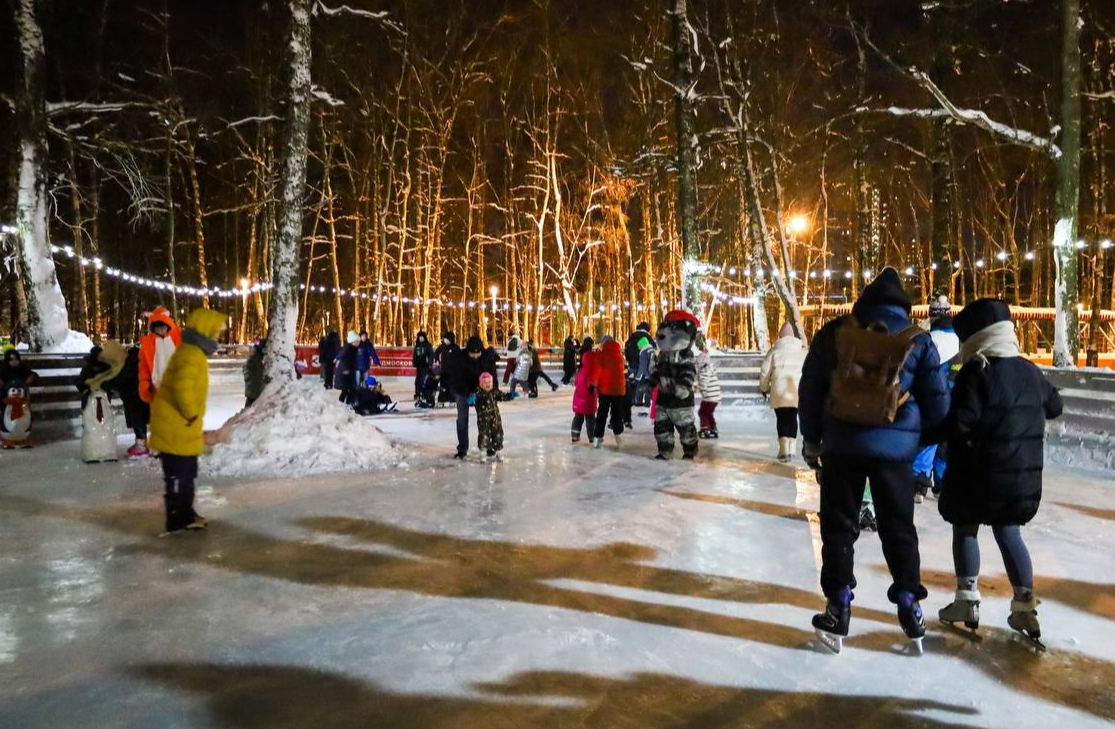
892 486
462 423
140 431
567 376
610 407
533 380
179 473
419 379
587 421
787 422
327 374
642 389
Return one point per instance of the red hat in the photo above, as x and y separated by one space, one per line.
683 315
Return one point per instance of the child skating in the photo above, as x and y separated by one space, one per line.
489 424
708 387
177 414
996 432
584 395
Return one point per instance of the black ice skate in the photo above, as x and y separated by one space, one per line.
912 620
705 434
831 626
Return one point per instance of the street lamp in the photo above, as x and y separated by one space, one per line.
493 291
799 224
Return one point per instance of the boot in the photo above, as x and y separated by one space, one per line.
597 442
1024 617
911 619
784 450
832 625
139 449
705 434
963 609
575 437
793 444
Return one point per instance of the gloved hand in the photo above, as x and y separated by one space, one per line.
472 399
811 453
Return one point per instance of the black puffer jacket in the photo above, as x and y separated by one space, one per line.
996 433
463 372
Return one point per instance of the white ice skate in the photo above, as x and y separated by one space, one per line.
963 609
597 442
619 439
1024 619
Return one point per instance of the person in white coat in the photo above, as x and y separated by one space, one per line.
778 382
521 375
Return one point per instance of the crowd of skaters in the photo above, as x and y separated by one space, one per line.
884 407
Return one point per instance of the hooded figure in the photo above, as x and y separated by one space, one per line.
327 350
422 359
569 359
847 454
155 350
254 374
996 433
178 413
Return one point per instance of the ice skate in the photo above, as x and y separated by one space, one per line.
459 456
484 458
139 450
688 455
714 434
618 438
831 626
661 457
963 609
494 457
705 434
1023 618
575 438
867 521
197 523
553 388
912 620
597 442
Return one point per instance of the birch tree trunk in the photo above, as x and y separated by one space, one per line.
46 307
283 314
684 84
1066 293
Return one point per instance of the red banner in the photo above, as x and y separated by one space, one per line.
394 361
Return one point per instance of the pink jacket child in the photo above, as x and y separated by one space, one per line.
584 397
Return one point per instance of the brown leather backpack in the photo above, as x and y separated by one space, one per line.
865 388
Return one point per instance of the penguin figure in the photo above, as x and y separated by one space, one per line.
15 423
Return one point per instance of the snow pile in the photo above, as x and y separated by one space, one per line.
73 343
297 430
1066 446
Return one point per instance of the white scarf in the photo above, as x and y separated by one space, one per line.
996 340
164 349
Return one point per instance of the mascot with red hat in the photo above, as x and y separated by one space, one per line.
675 374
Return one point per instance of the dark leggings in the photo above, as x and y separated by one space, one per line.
1016 558
787 422
140 431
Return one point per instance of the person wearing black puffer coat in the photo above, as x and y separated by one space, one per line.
996 435
462 374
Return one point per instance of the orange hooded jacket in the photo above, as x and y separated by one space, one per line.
609 376
147 345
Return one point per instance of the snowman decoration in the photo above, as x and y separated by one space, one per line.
15 424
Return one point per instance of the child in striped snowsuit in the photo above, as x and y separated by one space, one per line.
708 387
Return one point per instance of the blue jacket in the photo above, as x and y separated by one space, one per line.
922 377
366 355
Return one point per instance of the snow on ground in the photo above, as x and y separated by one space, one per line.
74 343
564 587
298 430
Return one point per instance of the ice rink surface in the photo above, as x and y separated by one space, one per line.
564 587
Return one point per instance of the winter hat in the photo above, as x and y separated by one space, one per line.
683 315
978 315
787 330
11 354
352 338
474 345
371 381
885 290
940 307
644 325
486 381
447 336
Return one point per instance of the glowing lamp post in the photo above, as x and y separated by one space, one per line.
493 291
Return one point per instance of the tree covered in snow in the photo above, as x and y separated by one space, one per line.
47 317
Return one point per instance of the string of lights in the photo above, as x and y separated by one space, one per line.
729 272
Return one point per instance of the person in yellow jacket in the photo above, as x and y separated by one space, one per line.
177 414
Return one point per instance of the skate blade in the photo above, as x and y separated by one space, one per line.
967 631
1032 641
916 648
829 640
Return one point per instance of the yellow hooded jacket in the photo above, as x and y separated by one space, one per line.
179 406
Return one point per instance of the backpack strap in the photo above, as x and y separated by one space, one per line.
909 334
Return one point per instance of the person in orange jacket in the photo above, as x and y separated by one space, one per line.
155 350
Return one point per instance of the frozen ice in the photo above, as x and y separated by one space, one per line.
564 587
